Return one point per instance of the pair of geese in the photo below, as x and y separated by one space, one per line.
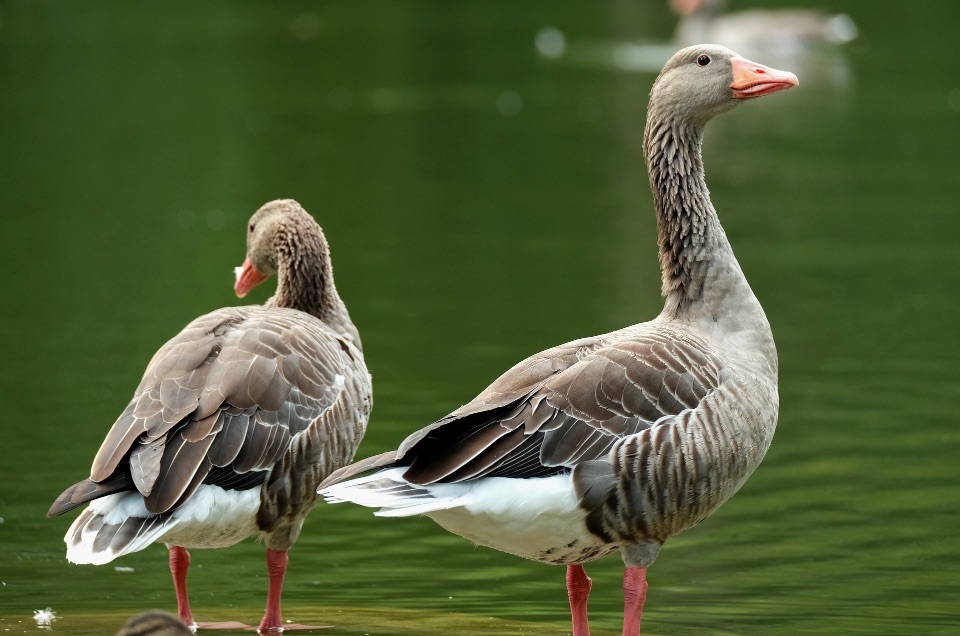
612 442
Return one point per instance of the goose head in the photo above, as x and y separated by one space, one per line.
700 82
274 232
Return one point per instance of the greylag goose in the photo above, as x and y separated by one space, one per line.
236 421
623 440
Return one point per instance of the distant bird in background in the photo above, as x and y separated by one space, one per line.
804 39
236 421
772 32
620 441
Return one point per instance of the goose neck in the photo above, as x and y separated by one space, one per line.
690 239
305 282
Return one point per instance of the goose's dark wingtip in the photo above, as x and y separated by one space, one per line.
71 498
88 490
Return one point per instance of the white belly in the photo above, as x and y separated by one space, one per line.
215 518
537 519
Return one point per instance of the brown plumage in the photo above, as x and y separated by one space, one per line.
154 623
619 441
237 419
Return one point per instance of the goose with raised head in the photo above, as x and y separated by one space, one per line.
623 440
236 421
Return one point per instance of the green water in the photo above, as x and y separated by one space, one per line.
136 140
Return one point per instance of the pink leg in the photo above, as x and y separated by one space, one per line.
272 622
179 564
578 590
634 594
276 567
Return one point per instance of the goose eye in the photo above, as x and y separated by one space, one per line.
703 60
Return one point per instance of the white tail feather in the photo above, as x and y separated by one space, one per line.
119 524
91 540
395 496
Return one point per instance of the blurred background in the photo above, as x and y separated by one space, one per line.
477 168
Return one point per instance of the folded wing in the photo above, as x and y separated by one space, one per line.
218 404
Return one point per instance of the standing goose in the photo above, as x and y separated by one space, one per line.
619 441
236 422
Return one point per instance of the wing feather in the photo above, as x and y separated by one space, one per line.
225 448
560 408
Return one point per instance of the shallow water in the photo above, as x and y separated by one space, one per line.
483 203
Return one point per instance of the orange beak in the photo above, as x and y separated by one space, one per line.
247 278
685 7
756 80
